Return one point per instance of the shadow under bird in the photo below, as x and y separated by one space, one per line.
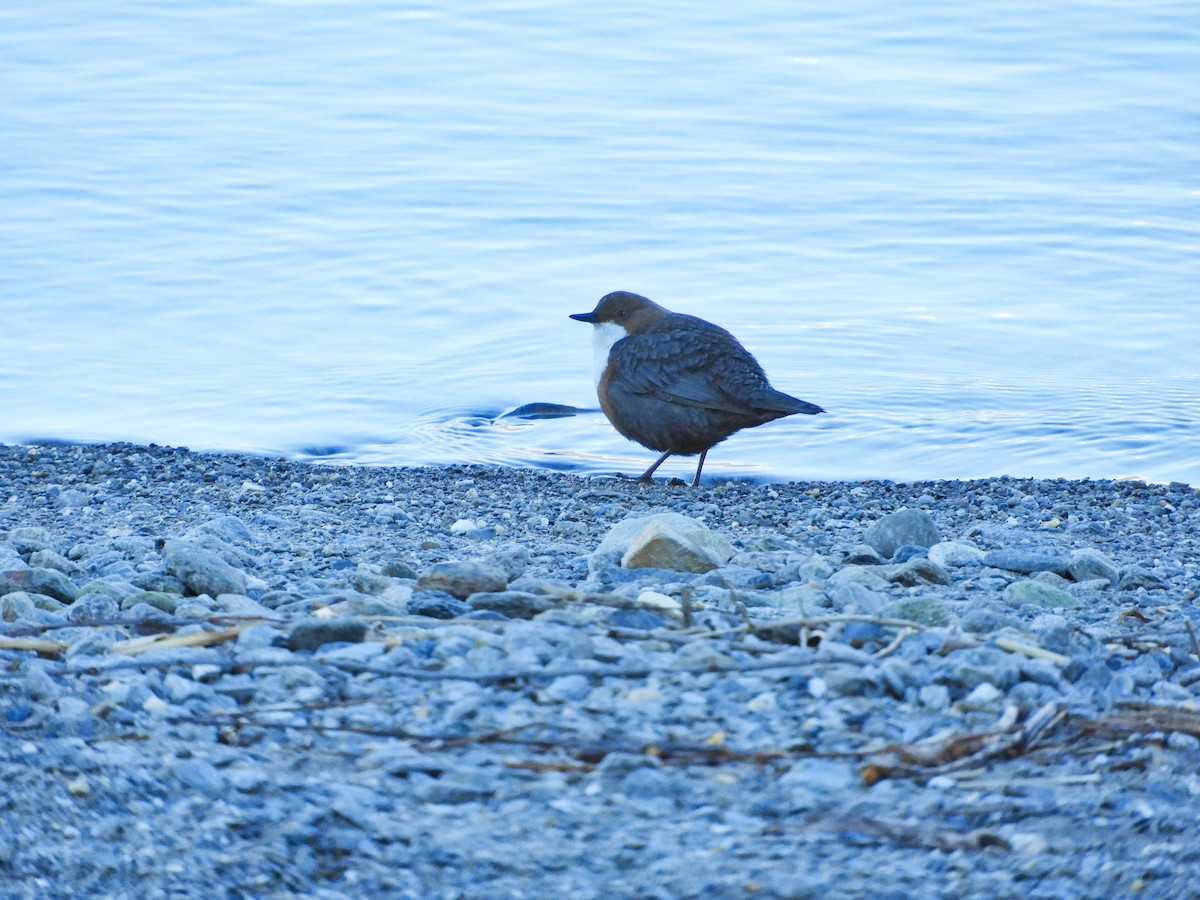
675 383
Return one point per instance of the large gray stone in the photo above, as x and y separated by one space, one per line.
1025 561
202 571
913 527
16 605
955 554
706 548
53 583
918 571
659 545
1089 565
313 633
461 579
517 604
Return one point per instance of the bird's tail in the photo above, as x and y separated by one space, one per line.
773 401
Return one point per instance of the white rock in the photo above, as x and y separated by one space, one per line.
955 553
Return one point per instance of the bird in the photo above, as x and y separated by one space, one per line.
675 383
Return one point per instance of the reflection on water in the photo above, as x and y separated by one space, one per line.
969 240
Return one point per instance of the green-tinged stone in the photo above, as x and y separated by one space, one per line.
922 610
158 599
1035 593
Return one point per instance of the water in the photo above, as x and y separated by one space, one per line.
353 231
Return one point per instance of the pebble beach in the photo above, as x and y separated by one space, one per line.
234 676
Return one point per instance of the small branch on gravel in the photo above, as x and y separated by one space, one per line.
896 642
160 623
922 835
1192 635
512 675
138 645
944 755
1139 718
764 629
1032 651
40 647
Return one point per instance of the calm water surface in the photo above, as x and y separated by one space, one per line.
353 230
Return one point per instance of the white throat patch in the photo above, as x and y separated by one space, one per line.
604 335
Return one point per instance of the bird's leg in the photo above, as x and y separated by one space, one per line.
645 476
700 465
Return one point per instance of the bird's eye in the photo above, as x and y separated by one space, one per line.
621 313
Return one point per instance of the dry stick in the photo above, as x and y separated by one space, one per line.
165 621
442 675
590 752
817 621
423 742
42 648
686 602
927 759
1192 634
922 835
1141 717
1033 651
896 641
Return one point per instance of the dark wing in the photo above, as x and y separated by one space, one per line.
688 361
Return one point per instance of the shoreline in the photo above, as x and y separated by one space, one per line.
438 682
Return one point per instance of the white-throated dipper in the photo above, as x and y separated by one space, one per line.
675 383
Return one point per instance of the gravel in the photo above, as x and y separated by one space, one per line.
229 676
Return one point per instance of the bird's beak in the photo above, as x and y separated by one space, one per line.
590 318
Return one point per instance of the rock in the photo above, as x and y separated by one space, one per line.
510 560
397 568
228 529
48 559
863 575
1036 593
905 552
922 610
53 583
16 605
656 601
918 571
566 689
855 597
102 587
983 620
93 608
1134 577
462 579
158 581
1088 565
862 555
821 776
392 602
955 554
15 575
157 599
50 604
640 619
202 571
437 605
982 696
71 499
907 526
616 543
1025 562
660 546
313 633
515 604
369 583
